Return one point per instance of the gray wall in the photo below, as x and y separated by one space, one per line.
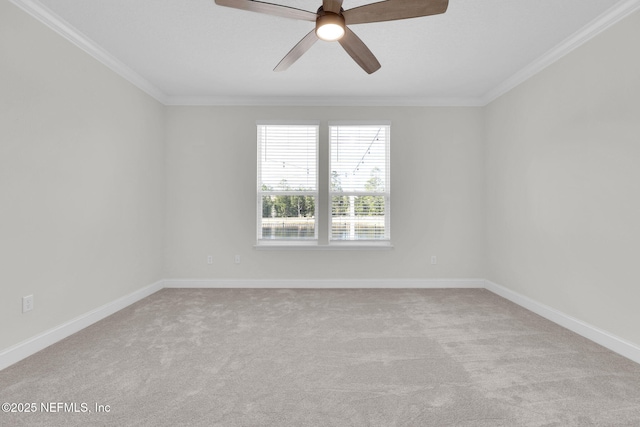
436 199
563 184
81 181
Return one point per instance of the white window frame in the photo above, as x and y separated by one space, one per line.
386 241
261 193
324 240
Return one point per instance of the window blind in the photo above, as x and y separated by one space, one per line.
287 182
359 187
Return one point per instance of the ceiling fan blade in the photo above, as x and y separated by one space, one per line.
359 51
332 5
269 9
391 10
297 51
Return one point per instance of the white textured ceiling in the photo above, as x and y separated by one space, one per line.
198 52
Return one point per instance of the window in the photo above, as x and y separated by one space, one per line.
287 183
355 198
359 188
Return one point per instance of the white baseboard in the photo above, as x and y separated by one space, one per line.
326 283
41 341
605 339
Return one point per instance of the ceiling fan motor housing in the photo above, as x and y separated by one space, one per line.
329 26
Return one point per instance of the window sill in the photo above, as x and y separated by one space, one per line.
313 246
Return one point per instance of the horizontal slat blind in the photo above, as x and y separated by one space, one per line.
287 182
359 188
358 158
288 157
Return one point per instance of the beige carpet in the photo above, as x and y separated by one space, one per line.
247 357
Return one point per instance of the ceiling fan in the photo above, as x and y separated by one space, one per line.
331 23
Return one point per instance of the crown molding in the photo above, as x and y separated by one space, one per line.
317 101
63 28
595 27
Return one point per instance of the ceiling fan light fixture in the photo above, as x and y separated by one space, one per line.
331 23
330 26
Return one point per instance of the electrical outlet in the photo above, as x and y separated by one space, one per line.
27 303
434 260
210 259
237 259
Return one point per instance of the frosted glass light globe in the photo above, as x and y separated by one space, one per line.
330 32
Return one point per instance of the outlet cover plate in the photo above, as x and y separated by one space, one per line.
27 303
